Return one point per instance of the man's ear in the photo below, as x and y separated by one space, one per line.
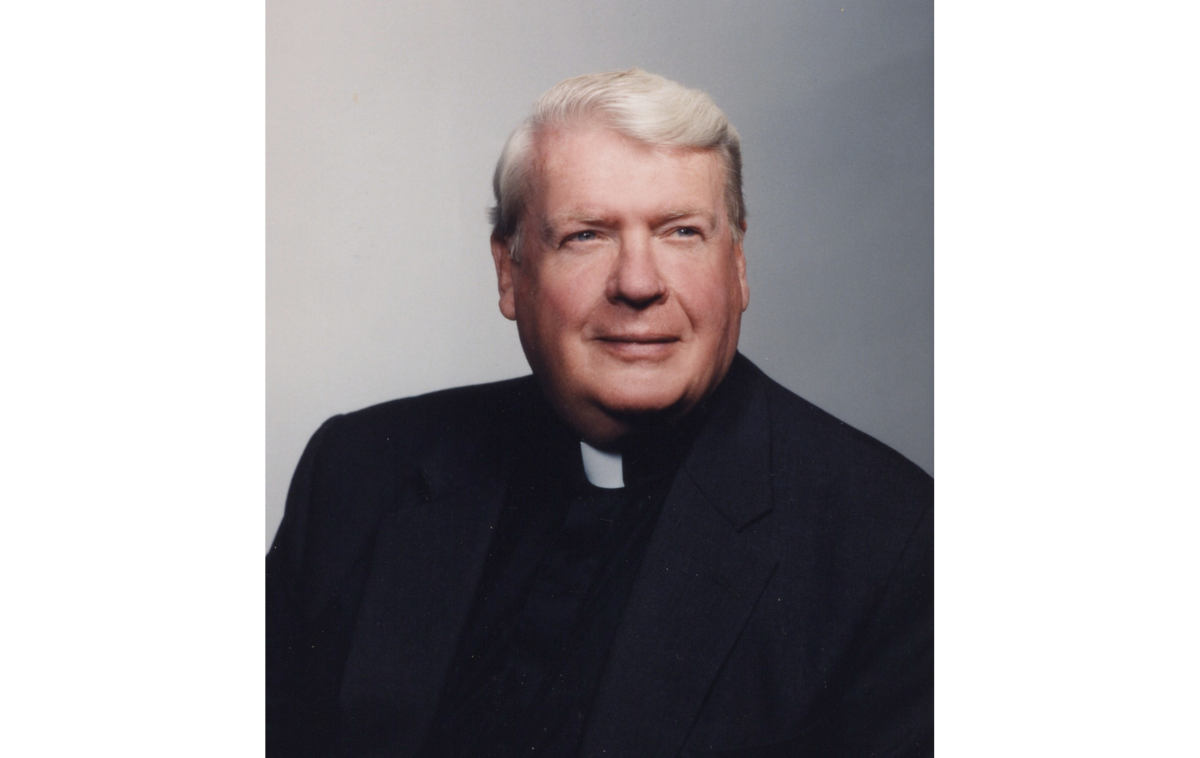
504 278
740 262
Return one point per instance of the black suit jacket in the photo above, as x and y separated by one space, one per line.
784 605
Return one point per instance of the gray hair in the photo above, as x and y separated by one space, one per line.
644 107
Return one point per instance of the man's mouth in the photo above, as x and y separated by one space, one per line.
638 346
638 339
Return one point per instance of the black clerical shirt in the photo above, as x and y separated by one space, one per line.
557 579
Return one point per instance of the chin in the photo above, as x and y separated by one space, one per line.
649 389
635 400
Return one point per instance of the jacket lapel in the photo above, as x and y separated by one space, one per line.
427 561
700 579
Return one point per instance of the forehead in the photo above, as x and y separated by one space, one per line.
594 165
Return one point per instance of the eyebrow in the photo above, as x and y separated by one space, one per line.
684 213
550 229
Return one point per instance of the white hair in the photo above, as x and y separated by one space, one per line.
644 107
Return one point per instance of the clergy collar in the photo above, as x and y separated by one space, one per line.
603 470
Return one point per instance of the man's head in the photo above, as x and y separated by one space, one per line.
617 243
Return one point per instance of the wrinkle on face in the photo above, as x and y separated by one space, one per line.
628 298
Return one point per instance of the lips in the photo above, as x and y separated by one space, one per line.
638 347
638 339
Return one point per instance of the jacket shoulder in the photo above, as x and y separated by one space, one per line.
847 498
825 449
359 465
437 414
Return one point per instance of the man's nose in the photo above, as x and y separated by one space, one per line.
636 279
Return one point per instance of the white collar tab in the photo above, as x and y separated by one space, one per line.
604 470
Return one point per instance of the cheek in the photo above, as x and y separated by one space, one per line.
710 297
571 289
558 302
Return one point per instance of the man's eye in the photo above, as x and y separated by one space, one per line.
687 231
584 236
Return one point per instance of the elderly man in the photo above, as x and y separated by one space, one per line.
648 548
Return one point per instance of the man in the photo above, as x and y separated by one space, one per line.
648 548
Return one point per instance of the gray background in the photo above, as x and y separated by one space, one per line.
384 121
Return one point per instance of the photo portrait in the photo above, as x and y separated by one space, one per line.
384 123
